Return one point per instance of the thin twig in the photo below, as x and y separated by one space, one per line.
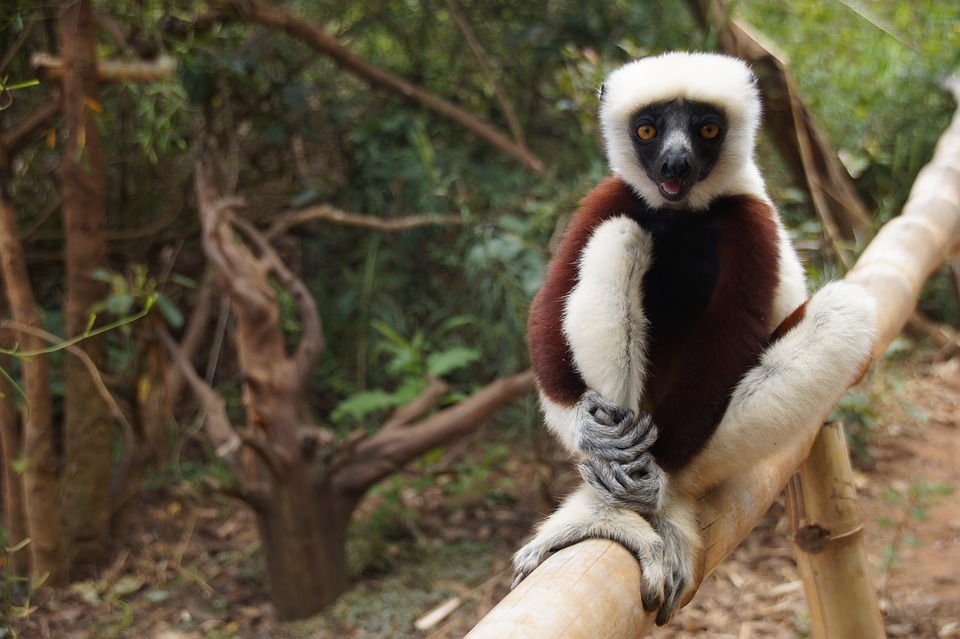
478 53
326 213
88 363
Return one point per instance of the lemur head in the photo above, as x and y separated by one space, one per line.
680 127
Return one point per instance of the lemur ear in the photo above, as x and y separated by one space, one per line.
600 92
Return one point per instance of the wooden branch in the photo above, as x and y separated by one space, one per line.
238 271
892 269
88 363
324 43
827 540
23 131
193 336
478 54
312 343
273 457
436 388
50 68
224 438
326 213
388 450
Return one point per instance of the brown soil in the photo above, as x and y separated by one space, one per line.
193 569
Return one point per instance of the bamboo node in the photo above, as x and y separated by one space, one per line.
813 538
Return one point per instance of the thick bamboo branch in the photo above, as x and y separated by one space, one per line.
550 602
828 542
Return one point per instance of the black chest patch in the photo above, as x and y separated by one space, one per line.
684 272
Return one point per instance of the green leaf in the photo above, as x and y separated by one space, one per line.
120 305
444 362
171 314
363 403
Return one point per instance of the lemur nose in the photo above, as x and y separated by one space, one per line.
676 169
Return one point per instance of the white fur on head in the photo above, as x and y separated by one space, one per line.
719 80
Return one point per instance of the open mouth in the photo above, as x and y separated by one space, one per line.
673 189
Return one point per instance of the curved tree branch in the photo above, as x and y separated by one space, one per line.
323 42
383 453
88 363
326 213
805 149
471 39
219 430
312 343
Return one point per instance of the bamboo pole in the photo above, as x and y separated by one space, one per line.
828 542
591 588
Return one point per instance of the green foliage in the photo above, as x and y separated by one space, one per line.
410 363
875 86
133 292
17 590
913 504
856 412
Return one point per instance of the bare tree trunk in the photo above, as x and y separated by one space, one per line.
39 475
303 529
88 424
11 443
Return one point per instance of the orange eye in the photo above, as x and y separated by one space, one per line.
646 132
709 131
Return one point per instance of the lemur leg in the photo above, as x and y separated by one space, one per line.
584 515
801 375
606 329
682 551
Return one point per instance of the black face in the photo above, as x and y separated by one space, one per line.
677 144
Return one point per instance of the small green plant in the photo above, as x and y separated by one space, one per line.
913 505
412 362
17 589
855 411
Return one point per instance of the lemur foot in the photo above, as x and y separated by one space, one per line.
584 516
678 567
620 466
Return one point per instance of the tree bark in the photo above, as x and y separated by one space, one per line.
39 476
87 422
302 487
11 444
302 521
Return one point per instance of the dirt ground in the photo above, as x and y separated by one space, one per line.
442 533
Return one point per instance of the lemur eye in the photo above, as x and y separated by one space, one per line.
709 131
646 132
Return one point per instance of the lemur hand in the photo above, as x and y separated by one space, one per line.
619 465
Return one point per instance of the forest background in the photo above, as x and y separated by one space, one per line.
402 169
